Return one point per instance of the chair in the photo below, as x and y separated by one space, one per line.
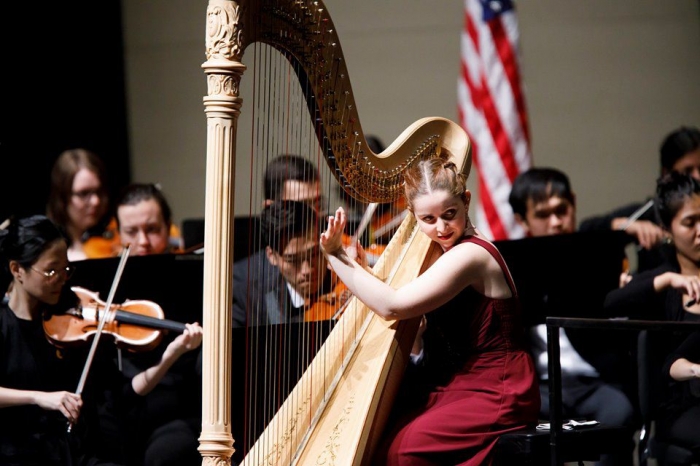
530 446
652 348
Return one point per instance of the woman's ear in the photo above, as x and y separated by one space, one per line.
467 197
16 270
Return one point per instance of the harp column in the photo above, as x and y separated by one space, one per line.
222 105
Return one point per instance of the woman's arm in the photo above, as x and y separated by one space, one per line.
190 339
67 403
682 369
451 273
641 296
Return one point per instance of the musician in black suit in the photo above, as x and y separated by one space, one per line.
282 282
545 205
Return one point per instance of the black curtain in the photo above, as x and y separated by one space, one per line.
61 86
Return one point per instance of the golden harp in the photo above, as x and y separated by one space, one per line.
338 409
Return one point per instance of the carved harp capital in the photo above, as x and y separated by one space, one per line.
224 33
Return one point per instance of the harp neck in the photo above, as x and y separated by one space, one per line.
304 33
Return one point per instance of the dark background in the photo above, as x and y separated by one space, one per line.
62 87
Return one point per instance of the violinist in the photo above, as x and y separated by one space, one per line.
671 291
144 220
298 274
78 205
37 380
287 178
164 429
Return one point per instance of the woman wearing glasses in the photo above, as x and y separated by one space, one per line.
78 204
38 380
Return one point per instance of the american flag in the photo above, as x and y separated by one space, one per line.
492 110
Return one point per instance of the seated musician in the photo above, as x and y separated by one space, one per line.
287 178
297 274
78 204
544 204
38 381
144 220
165 429
671 291
479 379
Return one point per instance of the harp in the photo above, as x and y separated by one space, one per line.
337 410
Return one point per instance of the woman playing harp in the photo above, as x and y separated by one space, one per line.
337 410
479 376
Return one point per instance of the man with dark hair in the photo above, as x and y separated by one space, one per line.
291 177
544 204
295 272
293 199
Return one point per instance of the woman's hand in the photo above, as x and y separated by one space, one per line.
357 253
647 233
188 340
332 239
67 403
689 284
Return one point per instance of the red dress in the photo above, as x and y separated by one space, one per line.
482 381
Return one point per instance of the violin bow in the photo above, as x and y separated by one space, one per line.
103 320
637 213
364 221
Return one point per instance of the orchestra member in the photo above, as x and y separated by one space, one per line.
144 220
679 152
680 411
665 291
78 204
164 429
481 377
287 178
544 205
297 273
671 291
37 379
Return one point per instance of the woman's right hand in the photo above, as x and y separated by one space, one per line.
67 403
689 284
332 239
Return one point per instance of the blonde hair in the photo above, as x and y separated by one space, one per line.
434 174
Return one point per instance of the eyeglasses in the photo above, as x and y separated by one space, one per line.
312 256
53 274
86 194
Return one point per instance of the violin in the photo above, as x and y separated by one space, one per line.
135 325
328 305
105 244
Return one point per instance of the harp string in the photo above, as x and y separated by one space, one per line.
272 362
280 124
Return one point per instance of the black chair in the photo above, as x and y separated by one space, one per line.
652 349
531 446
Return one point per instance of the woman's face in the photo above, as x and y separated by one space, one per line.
685 230
44 280
87 203
442 216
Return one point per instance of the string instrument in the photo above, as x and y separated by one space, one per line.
336 411
105 244
134 325
328 305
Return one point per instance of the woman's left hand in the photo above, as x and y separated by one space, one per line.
188 340
332 239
